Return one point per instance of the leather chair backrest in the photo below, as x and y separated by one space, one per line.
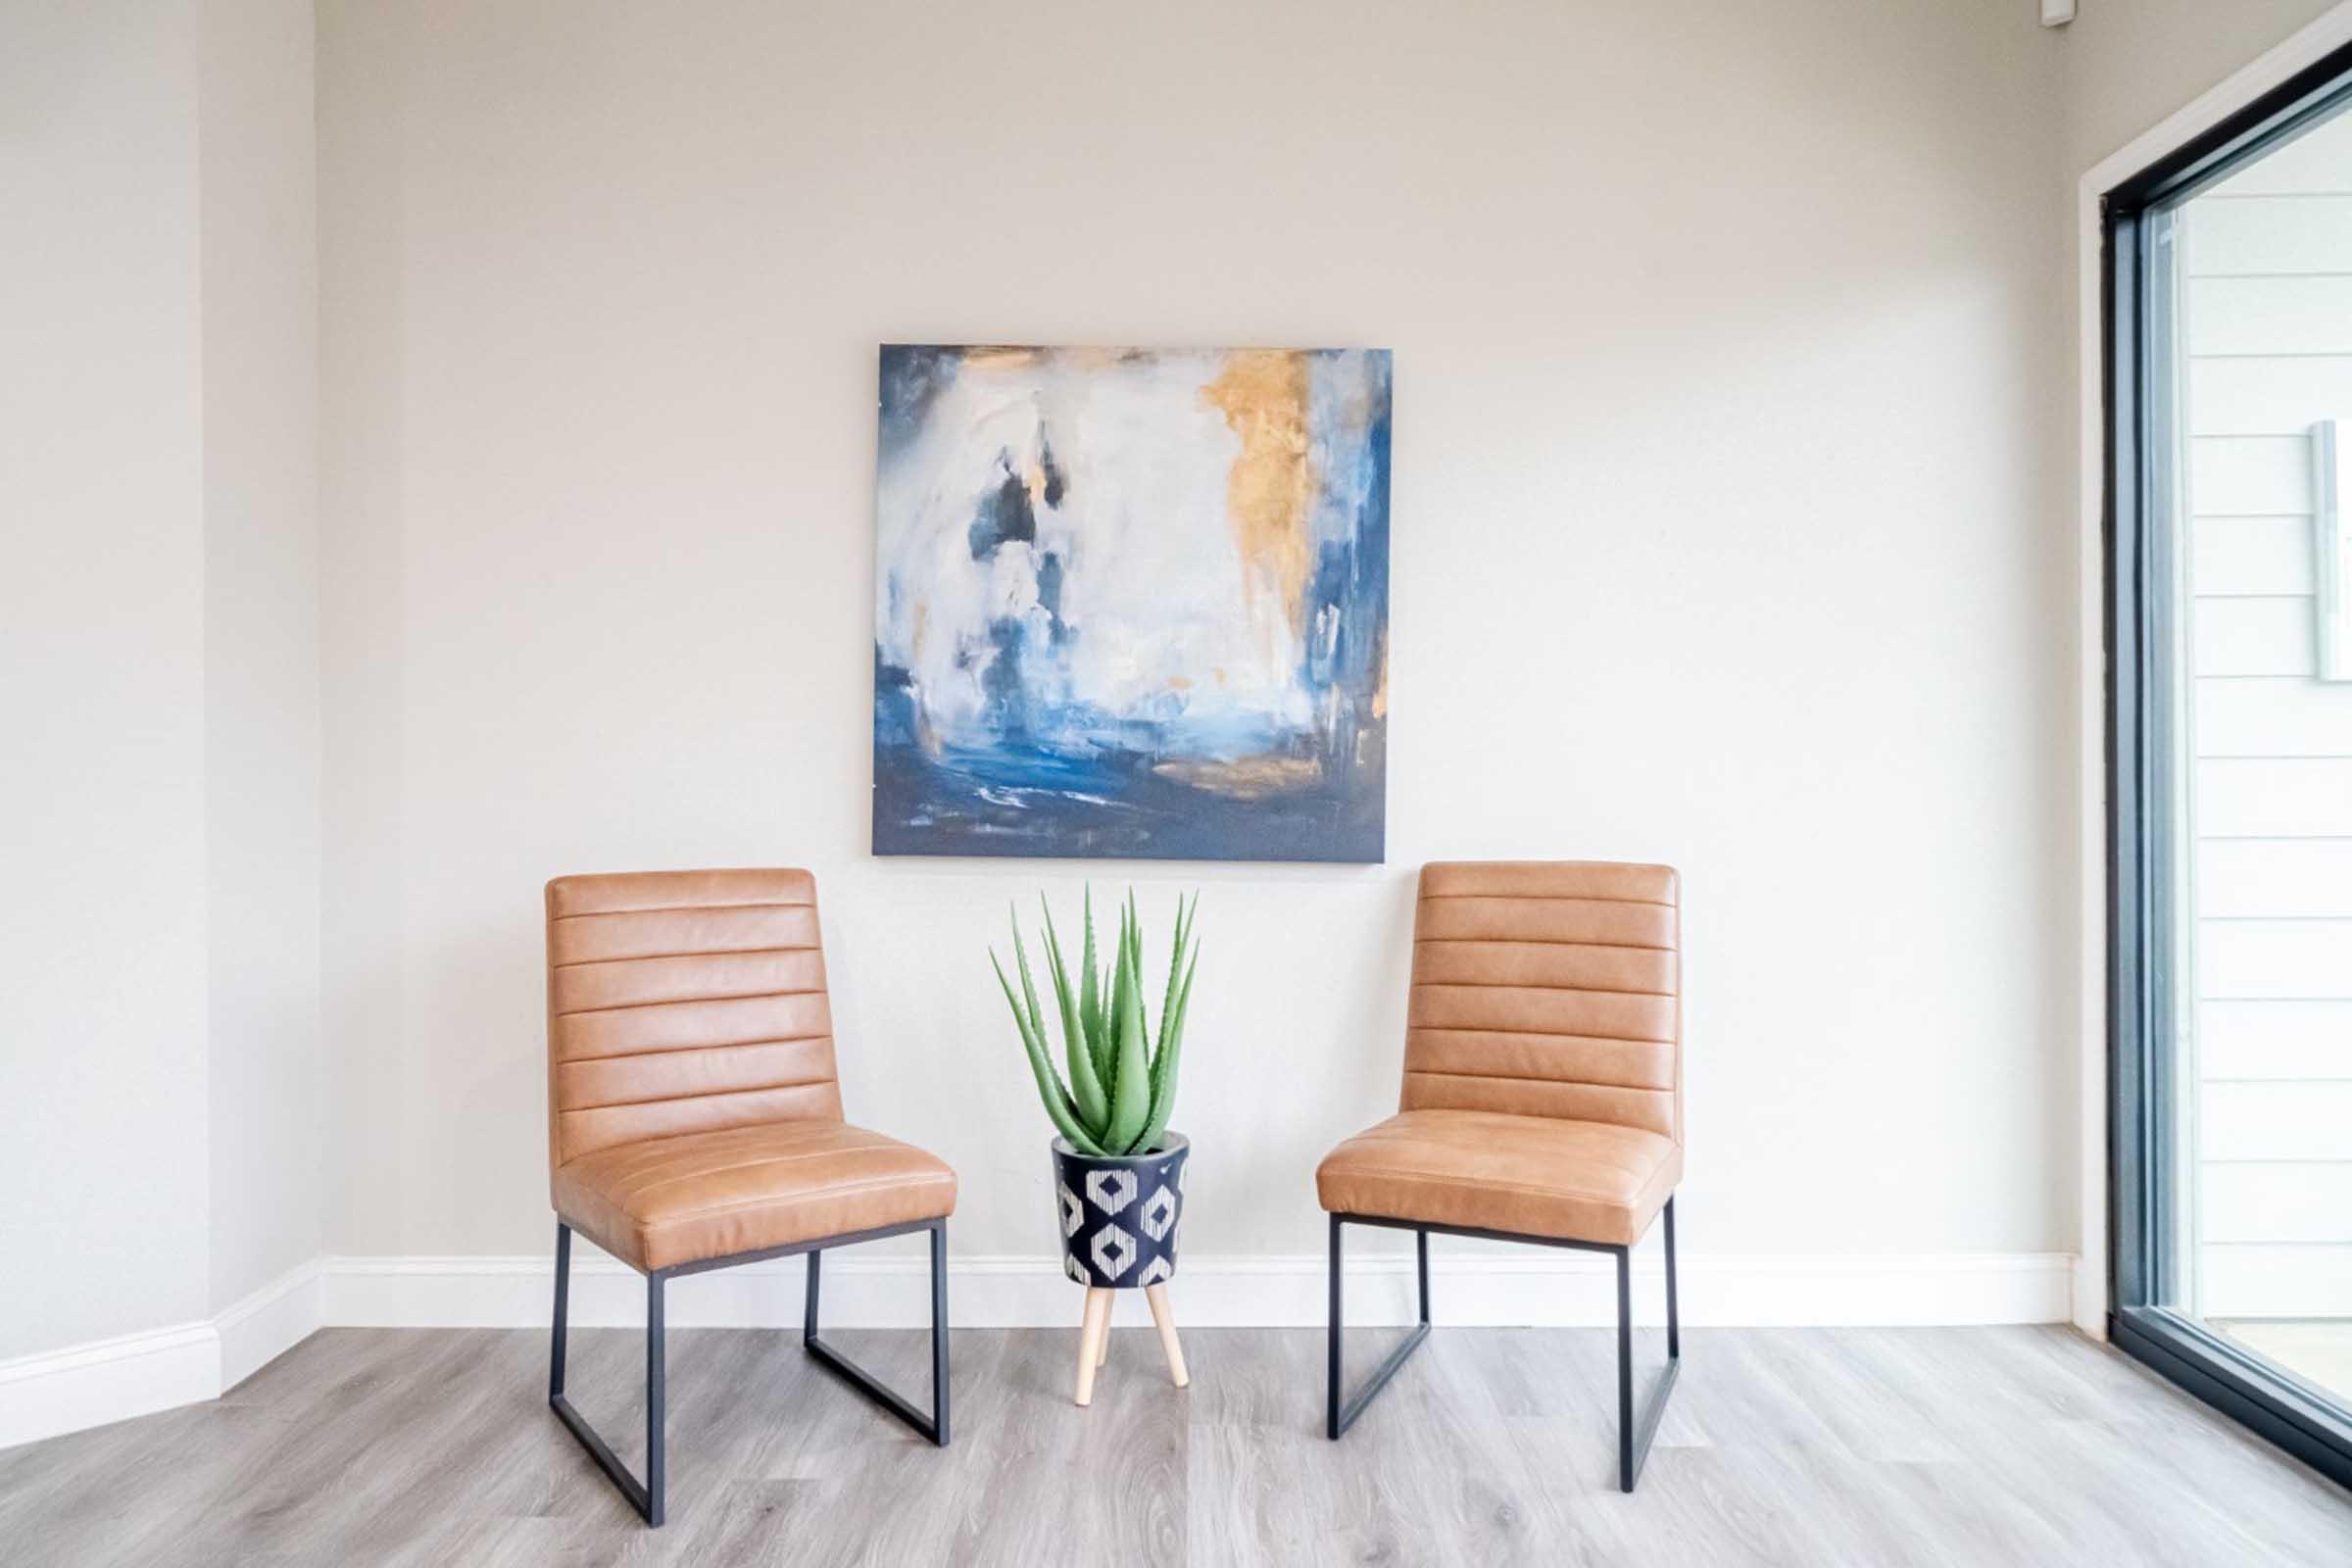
1548 988
683 1002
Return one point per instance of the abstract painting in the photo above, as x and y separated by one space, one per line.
1132 603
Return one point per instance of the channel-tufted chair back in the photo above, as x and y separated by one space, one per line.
1548 989
683 1002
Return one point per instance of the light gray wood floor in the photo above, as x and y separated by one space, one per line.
1866 1446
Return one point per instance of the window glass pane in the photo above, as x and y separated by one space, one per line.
2252 357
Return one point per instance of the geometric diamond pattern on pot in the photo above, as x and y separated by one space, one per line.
1159 1212
1120 1216
1114 1250
1111 1189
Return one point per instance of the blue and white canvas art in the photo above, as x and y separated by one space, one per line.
1132 603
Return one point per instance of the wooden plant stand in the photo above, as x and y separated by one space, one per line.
1094 1336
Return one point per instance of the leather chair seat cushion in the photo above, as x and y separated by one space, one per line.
665 1202
1579 1181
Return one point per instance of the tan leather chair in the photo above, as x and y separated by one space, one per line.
694 1121
1543 1091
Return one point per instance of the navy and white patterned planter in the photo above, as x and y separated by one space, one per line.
1121 1213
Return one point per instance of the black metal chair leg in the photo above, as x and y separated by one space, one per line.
644 1496
1331 1369
1673 1316
1634 1434
816 1258
1633 1440
657 1400
1421 1268
1339 1417
939 1335
647 1496
935 1425
1625 1368
554 1370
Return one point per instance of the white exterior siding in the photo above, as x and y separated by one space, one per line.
2267 316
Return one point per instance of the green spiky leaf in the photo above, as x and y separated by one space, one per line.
1106 1025
1122 1072
1020 955
1134 943
1164 1064
1168 1007
1131 1096
1056 1098
1114 1011
1090 990
1086 1088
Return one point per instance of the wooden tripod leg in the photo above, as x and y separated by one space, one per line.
1090 1341
1109 1303
1165 1317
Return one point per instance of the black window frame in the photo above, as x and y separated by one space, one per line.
2135 218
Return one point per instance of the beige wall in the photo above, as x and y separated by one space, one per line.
102 818
1729 530
2130 63
361 263
260 258
160 1093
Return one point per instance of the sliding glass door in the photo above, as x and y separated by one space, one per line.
2230 707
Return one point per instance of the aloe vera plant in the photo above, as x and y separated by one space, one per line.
1122 1077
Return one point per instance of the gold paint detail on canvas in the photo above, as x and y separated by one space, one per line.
1002 357
1246 778
1262 394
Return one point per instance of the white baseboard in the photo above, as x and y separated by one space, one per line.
92 1385
107 1380
270 1322
1470 1289
113 1380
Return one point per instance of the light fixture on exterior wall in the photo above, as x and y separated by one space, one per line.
2331 552
2057 13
